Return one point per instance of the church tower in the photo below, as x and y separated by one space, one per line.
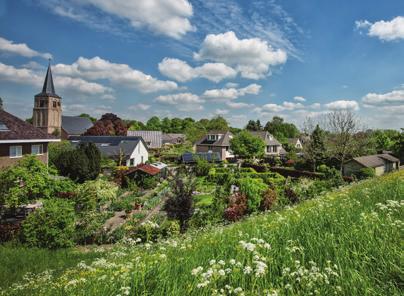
47 113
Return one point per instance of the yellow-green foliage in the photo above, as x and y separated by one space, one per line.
348 242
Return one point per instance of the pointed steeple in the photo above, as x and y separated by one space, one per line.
48 87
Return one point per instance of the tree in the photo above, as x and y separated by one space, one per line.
254 125
280 129
246 145
398 147
153 124
56 149
94 160
180 204
108 125
315 149
343 125
218 123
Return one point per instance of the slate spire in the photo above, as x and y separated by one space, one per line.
48 87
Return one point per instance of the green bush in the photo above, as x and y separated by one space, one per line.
52 226
253 189
365 173
27 181
89 228
148 182
92 194
202 167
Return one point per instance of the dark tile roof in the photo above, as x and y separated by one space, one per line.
18 129
111 146
48 88
154 139
223 141
76 125
372 161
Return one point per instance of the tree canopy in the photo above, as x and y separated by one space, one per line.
108 125
280 129
246 145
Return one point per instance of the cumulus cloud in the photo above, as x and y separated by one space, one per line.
140 106
28 76
226 94
181 71
251 57
285 106
238 105
299 99
166 17
393 97
97 68
384 30
21 49
343 105
181 98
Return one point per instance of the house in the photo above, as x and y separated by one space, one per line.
129 151
153 139
216 141
381 163
19 138
295 143
172 139
74 126
273 147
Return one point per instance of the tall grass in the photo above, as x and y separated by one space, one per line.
348 242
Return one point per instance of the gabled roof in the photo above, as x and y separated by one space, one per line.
76 125
267 137
48 88
14 128
154 139
223 141
293 141
111 146
372 161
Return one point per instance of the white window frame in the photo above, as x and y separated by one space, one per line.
16 147
40 149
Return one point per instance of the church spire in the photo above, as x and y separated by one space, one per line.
48 87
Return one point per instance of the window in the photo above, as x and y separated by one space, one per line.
37 149
142 160
54 104
15 151
210 148
132 162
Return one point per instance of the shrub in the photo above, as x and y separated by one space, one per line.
89 228
93 193
52 226
365 173
148 182
27 181
268 199
237 207
170 228
202 167
253 189
291 195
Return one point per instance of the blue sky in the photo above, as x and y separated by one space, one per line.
242 59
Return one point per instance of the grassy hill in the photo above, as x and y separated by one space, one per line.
348 242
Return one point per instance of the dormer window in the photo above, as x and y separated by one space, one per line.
213 137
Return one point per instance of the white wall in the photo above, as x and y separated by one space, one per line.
139 151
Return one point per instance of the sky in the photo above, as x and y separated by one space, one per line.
243 59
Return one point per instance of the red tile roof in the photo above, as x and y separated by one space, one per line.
146 168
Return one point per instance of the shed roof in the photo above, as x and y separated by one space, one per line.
372 161
146 168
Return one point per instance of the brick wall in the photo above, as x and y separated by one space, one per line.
6 161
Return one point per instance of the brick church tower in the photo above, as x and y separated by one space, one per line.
47 113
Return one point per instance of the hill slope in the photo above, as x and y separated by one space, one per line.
345 243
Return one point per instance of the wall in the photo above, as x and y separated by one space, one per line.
204 149
6 161
137 154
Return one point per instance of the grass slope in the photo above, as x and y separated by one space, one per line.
348 242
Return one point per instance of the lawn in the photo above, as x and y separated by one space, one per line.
348 242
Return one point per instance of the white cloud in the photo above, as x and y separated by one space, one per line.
27 76
393 97
140 106
182 71
181 98
21 49
285 106
221 111
167 17
299 99
239 105
384 30
315 106
226 94
343 105
97 68
231 85
251 57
